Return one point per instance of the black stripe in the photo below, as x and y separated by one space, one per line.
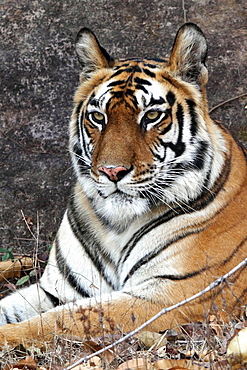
171 81
157 60
149 73
67 273
54 300
133 69
94 102
83 144
116 83
141 87
170 97
117 73
122 64
149 65
77 111
117 94
77 149
89 242
141 81
156 155
78 108
183 277
200 155
154 101
133 100
130 92
179 148
194 126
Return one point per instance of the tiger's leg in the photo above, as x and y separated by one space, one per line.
123 312
118 311
82 319
24 304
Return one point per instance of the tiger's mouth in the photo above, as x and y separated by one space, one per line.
118 196
121 196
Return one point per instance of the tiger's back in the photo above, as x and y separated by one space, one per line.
159 209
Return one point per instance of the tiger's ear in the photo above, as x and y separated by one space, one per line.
189 54
91 54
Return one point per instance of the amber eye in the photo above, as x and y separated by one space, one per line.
97 117
152 115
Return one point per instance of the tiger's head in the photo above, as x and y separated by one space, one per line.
140 134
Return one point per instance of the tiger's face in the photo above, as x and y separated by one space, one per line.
139 136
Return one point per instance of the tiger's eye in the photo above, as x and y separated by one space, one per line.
152 115
97 116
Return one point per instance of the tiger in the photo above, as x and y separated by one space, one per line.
158 210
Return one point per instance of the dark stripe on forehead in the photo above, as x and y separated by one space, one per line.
154 101
116 83
130 92
149 73
141 87
117 73
116 94
149 65
141 81
133 69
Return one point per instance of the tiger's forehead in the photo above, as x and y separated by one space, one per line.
135 83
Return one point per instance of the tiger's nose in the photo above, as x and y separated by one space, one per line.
114 173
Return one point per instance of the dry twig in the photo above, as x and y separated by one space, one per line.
227 101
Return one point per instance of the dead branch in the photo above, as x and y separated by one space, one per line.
227 101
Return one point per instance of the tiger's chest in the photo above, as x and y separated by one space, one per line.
113 260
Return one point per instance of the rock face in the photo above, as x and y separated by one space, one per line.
40 70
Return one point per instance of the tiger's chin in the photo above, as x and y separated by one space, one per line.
120 209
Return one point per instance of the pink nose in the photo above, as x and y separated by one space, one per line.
114 173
